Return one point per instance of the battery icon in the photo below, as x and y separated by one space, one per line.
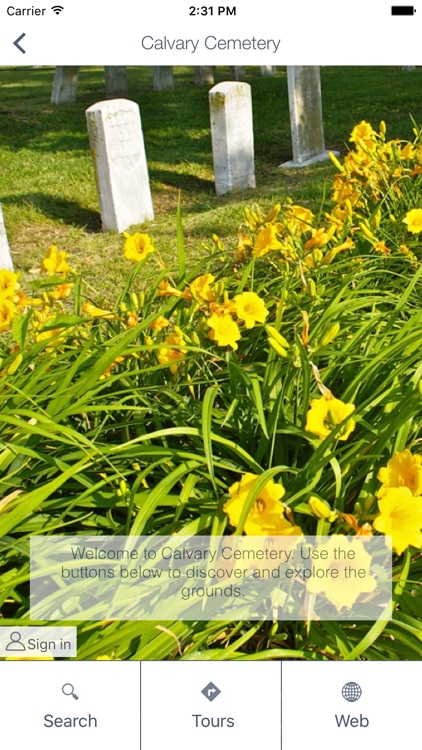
402 10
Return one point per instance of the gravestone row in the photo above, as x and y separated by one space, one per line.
65 81
117 144
304 90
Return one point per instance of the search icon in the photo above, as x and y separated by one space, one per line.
68 689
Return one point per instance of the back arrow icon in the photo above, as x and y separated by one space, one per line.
16 43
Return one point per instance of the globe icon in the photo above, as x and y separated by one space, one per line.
351 691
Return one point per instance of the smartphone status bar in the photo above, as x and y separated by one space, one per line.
77 33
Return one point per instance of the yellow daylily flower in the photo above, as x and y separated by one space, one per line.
55 262
7 312
8 284
413 220
201 289
172 353
132 319
299 219
336 586
22 301
400 517
404 469
137 246
266 240
363 132
159 323
382 248
97 312
61 291
320 237
250 308
326 413
224 330
266 517
165 289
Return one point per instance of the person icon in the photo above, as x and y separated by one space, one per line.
15 642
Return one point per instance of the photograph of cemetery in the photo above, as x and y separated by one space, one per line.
210 318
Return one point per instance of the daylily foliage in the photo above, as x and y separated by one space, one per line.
292 348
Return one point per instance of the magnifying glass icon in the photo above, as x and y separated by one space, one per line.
68 689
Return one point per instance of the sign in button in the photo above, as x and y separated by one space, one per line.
27 642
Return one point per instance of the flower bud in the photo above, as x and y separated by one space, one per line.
274 334
277 348
272 214
15 364
134 300
335 161
274 628
141 299
305 330
330 334
367 232
219 289
321 509
190 386
311 288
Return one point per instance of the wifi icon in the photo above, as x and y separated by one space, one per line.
57 9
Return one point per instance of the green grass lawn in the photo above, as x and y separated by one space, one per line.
47 185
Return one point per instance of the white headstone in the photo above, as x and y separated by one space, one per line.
162 77
5 257
237 72
232 136
117 144
115 81
65 84
204 75
305 107
268 70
